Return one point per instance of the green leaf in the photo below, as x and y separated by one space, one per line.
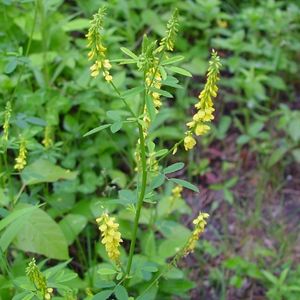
294 129
276 156
181 286
11 66
132 92
97 129
158 181
121 292
228 196
11 231
115 127
296 154
148 244
255 128
41 234
185 184
150 107
76 25
129 53
170 246
173 168
106 271
45 171
17 213
118 177
161 92
71 225
172 60
103 295
243 139
180 71
270 277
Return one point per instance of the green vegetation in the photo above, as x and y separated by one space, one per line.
116 143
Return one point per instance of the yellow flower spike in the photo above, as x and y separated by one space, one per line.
97 50
7 116
21 159
199 226
172 28
204 107
38 279
111 237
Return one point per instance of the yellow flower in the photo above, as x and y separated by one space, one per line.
176 191
21 159
111 237
201 129
200 223
189 142
97 49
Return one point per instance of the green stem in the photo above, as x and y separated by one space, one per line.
122 98
140 199
171 150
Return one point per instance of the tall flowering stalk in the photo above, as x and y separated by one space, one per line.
151 64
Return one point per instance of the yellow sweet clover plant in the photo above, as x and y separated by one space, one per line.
153 63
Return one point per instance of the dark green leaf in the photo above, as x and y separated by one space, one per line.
172 60
158 181
103 295
97 129
180 71
161 92
41 234
150 107
115 127
185 184
121 292
128 52
44 171
173 168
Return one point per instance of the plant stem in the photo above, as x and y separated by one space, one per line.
140 199
122 98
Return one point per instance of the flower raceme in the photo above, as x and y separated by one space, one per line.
38 279
111 237
205 106
97 49
172 28
21 159
199 226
